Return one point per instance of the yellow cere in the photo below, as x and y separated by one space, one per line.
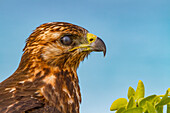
91 37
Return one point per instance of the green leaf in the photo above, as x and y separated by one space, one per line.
134 110
131 103
120 110
156 100
165 100
159 109
140 91
121 102
144 100
150 108
168 108
168 91
131 92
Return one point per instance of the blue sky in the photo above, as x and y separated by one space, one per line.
136 33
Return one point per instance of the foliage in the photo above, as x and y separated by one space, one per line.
139 104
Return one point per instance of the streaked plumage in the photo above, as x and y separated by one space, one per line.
46 80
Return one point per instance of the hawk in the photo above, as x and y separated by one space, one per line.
46 80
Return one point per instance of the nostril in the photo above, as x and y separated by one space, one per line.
91 39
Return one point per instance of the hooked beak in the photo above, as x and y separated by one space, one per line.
94 44
98 46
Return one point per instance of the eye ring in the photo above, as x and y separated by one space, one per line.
66 40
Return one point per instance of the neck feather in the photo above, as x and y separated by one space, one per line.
56 86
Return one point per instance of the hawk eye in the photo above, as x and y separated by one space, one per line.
66 40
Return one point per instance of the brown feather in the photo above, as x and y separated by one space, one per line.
46 80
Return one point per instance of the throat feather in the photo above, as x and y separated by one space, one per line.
61 89
56 86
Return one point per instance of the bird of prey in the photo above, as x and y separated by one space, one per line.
46 80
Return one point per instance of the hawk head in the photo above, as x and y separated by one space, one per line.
62 44
46 76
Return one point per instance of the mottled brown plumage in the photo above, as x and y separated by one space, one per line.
46 80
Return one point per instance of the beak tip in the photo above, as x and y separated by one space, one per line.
104 53
99 46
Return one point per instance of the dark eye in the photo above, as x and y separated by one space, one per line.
66 40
